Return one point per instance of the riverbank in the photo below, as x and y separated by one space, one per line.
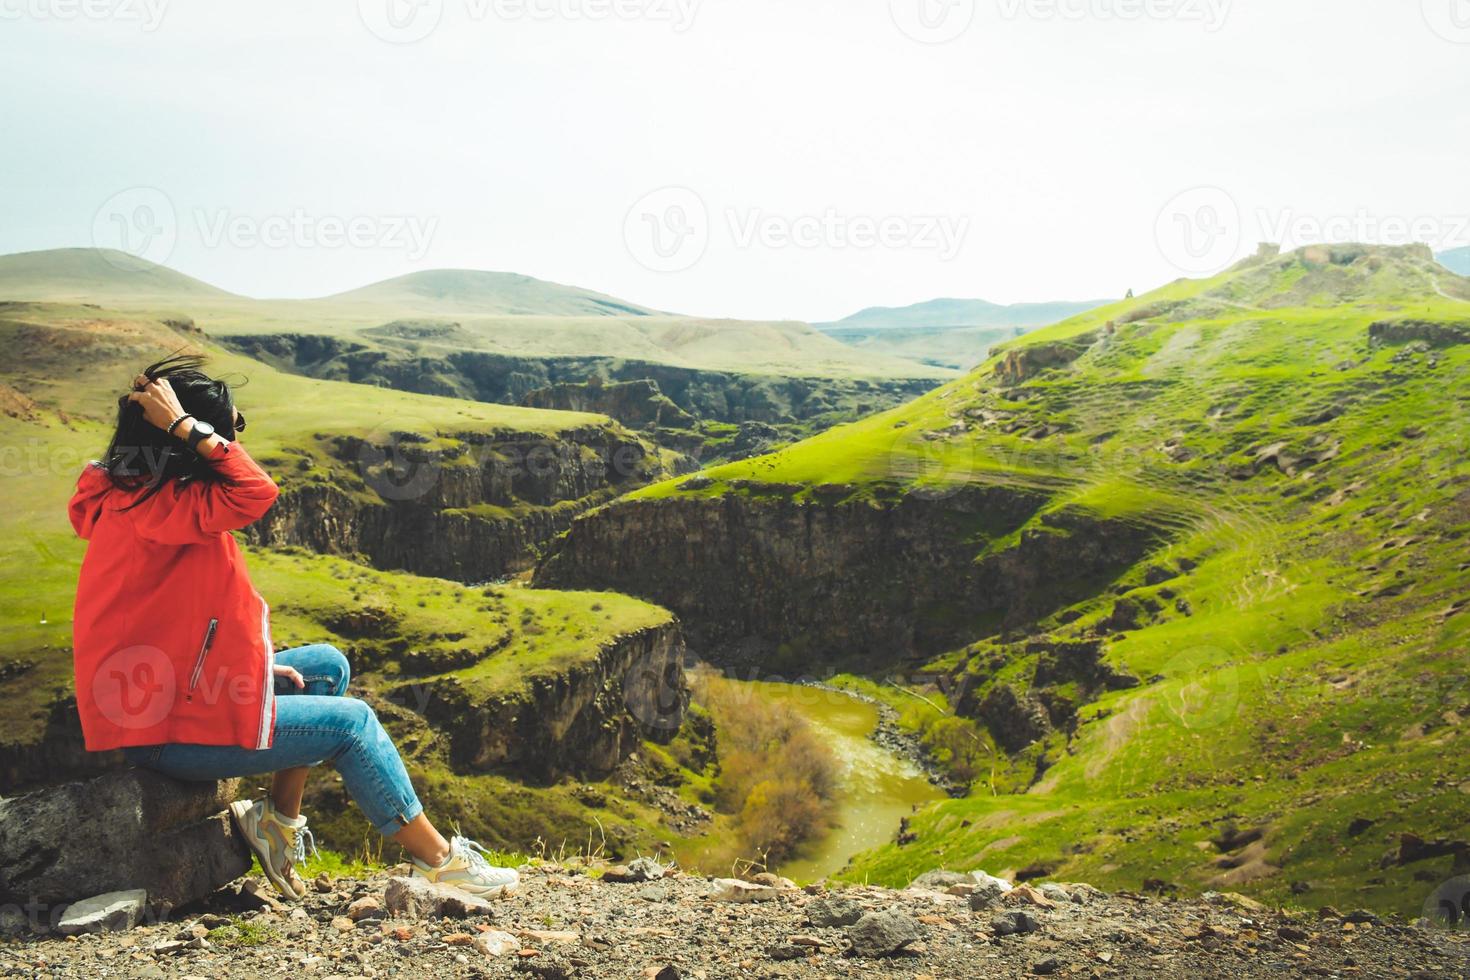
572 921
899 740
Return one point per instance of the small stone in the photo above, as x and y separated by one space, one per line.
883 933
458 939
774 881
1292 934
1018 923
255 895
112 912
343 924
735 890
366 907
322 883
1056 892
1025 894
647 869
402 933
941 880
419 898
833 912
1046 967
788 951
495 943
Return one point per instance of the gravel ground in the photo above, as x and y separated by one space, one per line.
565 923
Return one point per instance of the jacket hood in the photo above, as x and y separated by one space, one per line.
93 487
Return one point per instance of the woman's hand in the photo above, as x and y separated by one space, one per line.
160 404
289 673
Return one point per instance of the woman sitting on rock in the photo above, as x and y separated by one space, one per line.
173 654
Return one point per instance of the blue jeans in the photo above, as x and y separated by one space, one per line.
313 725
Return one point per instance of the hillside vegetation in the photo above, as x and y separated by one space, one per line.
1196 590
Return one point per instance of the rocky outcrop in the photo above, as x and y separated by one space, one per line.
793 586
472 512
123 830
720 396
582 721
1435 333
636 404
1023 363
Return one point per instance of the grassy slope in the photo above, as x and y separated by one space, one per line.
494 312
1317 675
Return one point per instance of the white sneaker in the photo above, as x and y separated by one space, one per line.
278 842
466 869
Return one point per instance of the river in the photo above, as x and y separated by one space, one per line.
877 788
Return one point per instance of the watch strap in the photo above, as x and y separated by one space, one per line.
196 437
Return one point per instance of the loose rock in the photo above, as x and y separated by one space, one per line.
883 933
113 912
419 898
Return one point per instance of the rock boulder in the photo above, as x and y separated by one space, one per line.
130 829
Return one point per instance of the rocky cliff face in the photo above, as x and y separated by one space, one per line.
703 395
764 580
582 722
472 512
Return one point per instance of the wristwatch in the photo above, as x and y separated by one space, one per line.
200 432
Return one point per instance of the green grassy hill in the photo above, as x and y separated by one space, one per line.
98 275
462 291
1272 698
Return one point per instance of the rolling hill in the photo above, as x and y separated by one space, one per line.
1178 585
707 388
452 292
962 313
949 333
98 275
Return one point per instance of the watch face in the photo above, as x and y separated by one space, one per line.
202 429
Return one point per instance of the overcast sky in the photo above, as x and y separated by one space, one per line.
749 158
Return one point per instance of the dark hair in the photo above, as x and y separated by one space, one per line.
143 456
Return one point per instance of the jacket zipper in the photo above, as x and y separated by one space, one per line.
203 652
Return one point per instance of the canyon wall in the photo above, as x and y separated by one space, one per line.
473 512
791 586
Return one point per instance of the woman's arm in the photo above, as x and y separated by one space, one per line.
182 515
160 408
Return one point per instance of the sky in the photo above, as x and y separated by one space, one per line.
761 159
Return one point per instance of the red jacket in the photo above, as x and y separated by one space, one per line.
171 641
